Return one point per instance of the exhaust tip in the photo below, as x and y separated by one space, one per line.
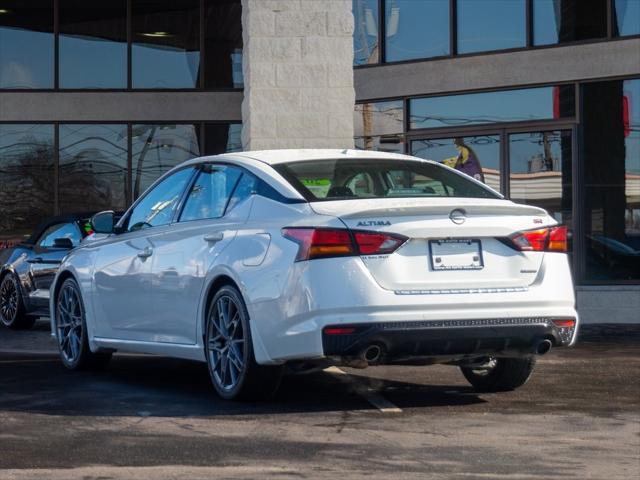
372 353
543 346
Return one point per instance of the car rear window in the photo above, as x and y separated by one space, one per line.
345 179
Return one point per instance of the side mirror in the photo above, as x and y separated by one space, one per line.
103 222
65 243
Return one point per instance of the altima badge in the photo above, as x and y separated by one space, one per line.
458 216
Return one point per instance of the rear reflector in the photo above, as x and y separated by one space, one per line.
336 242
552 239
338 331
565 323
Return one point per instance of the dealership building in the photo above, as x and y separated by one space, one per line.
98 98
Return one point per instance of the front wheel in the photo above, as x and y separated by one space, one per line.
500 374
229 351
71 331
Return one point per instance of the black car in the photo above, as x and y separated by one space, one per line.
30 267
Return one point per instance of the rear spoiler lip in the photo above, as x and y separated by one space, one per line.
520 210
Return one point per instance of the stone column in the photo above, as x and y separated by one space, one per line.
298 74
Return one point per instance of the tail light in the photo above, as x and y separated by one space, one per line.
551 239
330 242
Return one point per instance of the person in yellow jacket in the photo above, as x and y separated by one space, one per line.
467 161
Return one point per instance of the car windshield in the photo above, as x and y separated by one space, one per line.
345 179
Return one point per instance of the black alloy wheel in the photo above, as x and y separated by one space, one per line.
12 310
229 351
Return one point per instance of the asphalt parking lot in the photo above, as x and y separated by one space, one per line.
152 417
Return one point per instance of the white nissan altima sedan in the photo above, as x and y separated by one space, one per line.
308 258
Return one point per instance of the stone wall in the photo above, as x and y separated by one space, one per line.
298 74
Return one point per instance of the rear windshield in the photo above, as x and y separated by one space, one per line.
346 179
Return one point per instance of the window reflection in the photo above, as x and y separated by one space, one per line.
491 25
611 140
477 156
626 17
26 179
221 138
93 167
380 126
365 34
158 148
26 44
93 44
540 172
416 29
560 21
166 44
491 107
223 44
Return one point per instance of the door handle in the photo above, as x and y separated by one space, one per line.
146 253
35 260
214 237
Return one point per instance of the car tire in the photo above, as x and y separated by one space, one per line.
234 372
503 375
13 313
71 331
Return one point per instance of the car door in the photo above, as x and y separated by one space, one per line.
46 258
123 306
184 253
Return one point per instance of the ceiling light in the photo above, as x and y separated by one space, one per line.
4 10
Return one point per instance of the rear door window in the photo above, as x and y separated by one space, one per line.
210 194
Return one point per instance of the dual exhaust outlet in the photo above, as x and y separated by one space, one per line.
543 346
373 354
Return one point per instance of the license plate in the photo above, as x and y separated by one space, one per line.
456 254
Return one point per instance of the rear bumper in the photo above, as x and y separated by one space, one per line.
407 341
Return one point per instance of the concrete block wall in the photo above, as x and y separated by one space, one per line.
298 74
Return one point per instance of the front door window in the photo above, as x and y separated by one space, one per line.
159 204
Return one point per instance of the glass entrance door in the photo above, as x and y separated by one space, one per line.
540 171
475 155
527 166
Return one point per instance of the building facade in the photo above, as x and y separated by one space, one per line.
97 99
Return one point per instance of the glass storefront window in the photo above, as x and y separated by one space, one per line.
477 156
626 17
544 103
540 172
560 21
166 44
221 138
416 29
381 143
485 25
222 44
379 126
611 143
93 44
26 44
26 179
156 148
365 33
93 167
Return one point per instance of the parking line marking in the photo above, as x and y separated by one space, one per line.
374 398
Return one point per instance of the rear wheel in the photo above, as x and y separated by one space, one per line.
500 374
71 331
12 310
229 351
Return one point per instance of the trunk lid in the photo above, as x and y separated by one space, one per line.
453 242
